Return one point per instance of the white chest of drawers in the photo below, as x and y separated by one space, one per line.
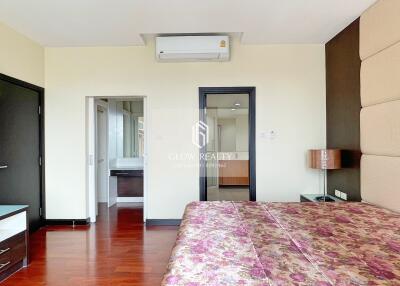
13 239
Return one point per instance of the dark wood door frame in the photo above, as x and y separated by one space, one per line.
40 91
251 91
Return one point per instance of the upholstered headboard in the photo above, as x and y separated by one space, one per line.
380 100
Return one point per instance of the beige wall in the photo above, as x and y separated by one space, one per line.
290 82
20 57
228 134
242 133
234 134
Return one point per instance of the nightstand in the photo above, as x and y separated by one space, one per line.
311 198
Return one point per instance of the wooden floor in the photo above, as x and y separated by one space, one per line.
117 250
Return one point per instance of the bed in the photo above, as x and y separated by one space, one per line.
254 243
314 244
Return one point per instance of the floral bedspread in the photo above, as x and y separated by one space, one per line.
254 243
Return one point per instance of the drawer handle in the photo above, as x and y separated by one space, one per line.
4 250
4 264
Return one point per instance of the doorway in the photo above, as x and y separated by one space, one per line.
21 147
117 165
227 159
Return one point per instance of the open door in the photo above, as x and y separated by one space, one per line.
101 152
227 156
112 152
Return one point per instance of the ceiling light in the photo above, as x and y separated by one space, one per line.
237 104
233 109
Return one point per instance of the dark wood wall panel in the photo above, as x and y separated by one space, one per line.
343 109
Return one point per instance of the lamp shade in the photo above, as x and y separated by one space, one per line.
325 159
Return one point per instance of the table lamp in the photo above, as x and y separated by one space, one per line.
325 159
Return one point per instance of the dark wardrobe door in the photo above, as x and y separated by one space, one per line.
20 149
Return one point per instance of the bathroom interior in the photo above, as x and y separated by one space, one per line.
120 145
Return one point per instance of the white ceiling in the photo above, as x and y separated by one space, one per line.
123 22
228 101
228 113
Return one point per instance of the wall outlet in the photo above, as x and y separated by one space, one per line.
343 196
338 193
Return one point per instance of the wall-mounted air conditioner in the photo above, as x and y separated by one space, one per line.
192 48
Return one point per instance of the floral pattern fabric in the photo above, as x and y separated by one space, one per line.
283 244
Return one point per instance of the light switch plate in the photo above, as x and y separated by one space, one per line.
343 196
271 134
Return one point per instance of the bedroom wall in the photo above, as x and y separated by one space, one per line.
21 57
343 105
290 82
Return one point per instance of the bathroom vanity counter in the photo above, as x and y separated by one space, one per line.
126 177
126 168
127 172
129 182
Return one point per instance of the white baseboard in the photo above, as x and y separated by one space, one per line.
129 199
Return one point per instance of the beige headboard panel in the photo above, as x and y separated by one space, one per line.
380 74
379 27
380 99
380 129
380 180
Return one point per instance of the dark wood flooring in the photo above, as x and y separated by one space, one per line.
117 250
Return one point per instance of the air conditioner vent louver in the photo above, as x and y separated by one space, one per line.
192 48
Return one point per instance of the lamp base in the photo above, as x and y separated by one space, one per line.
324 199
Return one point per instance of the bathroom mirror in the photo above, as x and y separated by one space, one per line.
133 128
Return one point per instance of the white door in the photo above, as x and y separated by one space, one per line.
112 150
101 155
